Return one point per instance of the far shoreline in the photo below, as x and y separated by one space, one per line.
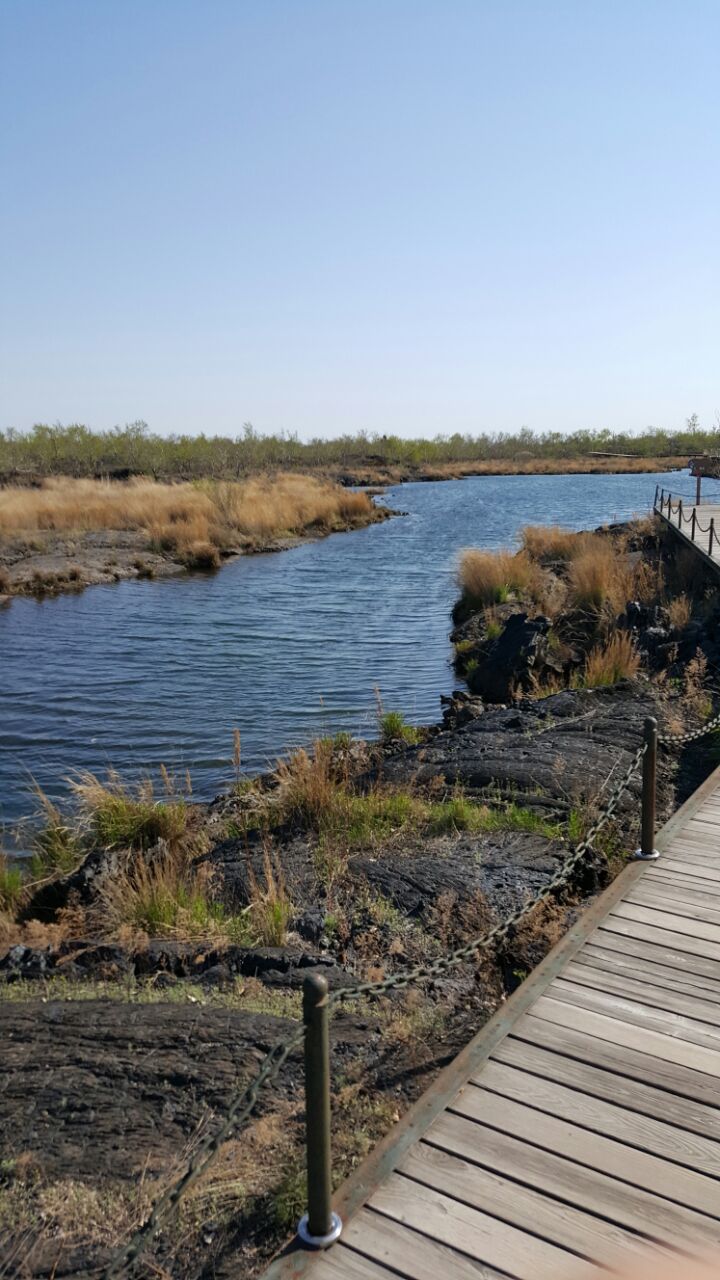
65 535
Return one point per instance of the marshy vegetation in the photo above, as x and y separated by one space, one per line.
76 450
193 524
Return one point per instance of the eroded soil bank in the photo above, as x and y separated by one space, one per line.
162 950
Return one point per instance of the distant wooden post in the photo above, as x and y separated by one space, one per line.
706 465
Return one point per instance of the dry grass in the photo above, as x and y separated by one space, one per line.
122 817
192 521
608 663
369 473
270 907
168 896
696 700
679 611
490 577
600 575
551 542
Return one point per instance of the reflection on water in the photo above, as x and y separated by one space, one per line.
282 646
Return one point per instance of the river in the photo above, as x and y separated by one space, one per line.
283 647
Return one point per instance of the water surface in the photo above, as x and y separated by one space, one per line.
283 646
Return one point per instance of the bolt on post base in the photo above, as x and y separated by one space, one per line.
320 1242
639 856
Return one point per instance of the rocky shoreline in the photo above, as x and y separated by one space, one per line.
128 1027
54 563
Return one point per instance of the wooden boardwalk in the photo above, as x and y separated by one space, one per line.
581 1127
697 525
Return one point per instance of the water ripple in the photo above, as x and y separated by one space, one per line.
283 647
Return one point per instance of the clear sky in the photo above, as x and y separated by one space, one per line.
326 215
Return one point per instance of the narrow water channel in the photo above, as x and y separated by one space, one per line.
283 646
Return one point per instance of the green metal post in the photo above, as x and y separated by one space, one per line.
319 1227
647 851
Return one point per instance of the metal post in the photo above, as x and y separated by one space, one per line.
647 851
712 535
693 523
680 514
319 1227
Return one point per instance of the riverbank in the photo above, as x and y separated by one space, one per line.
374 473
162 936
65 534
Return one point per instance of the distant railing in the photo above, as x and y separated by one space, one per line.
672 510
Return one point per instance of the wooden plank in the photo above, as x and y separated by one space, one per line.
705 823
635 1130
657 875
699 871
528 1209
663 899
624 1091
679 861
638 948
658 871
645 992
350 1265
662 869
667 920
664 937
647 1040
477 1234
631 1207
406 1252
659 974
693 856
672 1025
673 1077
691 848
594 1150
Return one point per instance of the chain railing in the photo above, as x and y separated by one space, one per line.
675 514
320 1225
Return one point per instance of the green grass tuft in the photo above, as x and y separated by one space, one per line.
12 883
393 728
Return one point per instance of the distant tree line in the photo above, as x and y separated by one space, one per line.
77 451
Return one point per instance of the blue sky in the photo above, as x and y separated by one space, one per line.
326 216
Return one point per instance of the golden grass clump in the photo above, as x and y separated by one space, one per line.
679 611
600 574
490 577
309 783
608 663
192 521
552 542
